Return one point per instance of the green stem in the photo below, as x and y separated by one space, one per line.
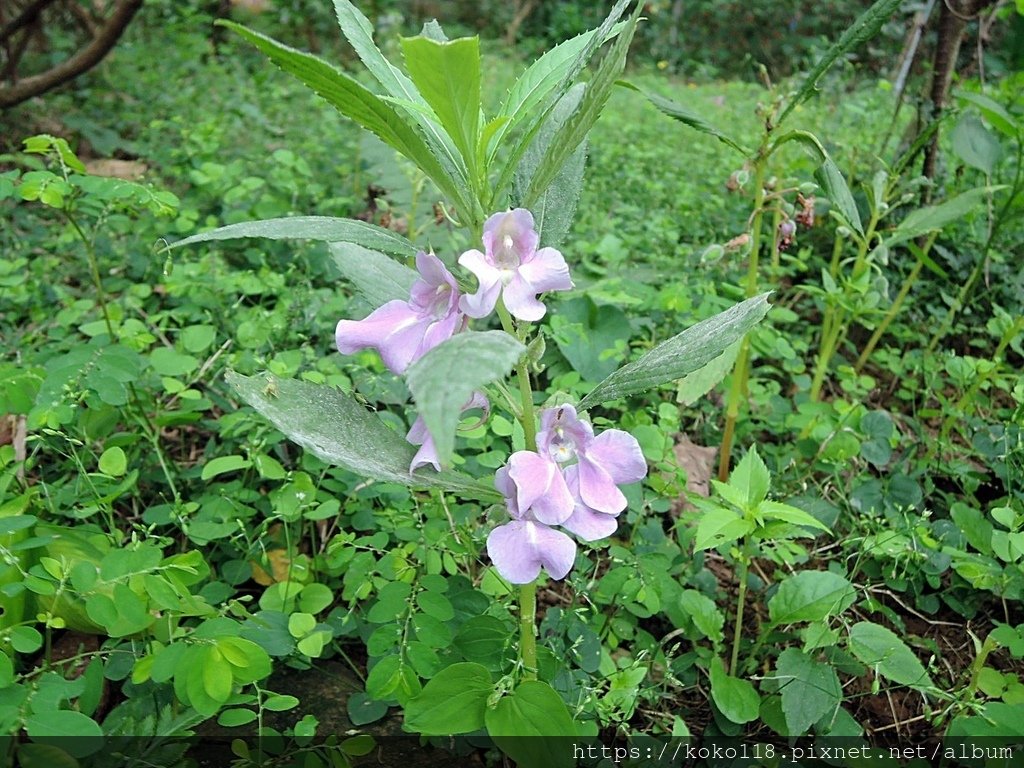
527 592
829 343
94 269
740 371
741 599
968 396
527 629
889 317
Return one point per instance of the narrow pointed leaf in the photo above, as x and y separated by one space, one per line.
539 108
992 111
448 76
682 354
444 379
686 116
935 217
829 177
557 67
335 428
376 276
321 228
574 130
554 209
358 104
359 32
863 29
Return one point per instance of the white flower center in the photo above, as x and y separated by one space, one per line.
561 448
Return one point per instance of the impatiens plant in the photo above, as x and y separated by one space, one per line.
511 180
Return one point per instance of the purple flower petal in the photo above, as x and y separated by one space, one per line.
597 489
377 329
521 300
481 303
540 488
547 271
510 236
563 435
519 549
427 454
619 454
590 525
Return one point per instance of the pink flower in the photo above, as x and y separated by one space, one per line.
519 549
404 331
513 267
582 497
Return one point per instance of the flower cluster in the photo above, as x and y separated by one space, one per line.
571 481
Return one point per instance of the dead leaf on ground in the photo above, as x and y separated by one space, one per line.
130 170
698 462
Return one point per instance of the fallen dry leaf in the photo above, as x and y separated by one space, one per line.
698 462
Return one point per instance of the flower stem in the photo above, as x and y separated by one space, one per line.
527 629
527 592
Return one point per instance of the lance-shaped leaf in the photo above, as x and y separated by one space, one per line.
992 111
553 72
358 104
359 32
682 354
574 130
448 76
829 177
376 276
335 428
321 228
686 116
554 209
863 29
935 217
444 380
543 106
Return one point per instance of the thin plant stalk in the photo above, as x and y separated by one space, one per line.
527 592
741 599
894 308
740 372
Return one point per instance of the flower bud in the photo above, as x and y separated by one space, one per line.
712 254
808 188
843 231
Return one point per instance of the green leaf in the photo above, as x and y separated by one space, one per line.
113 462
810 596
281 703
863 29
224 464
231 718
735 698
704 614
720 526
934 217
992 111
773 510
548 79
360 105
444 379
975 145
751 479
482 639
534 711
694 386
682 354
359 32
571 133
338 430
810 690
593 338
686 116
75 733
378 277
452 702
556 205
319 228
882 650
448 76
829 177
